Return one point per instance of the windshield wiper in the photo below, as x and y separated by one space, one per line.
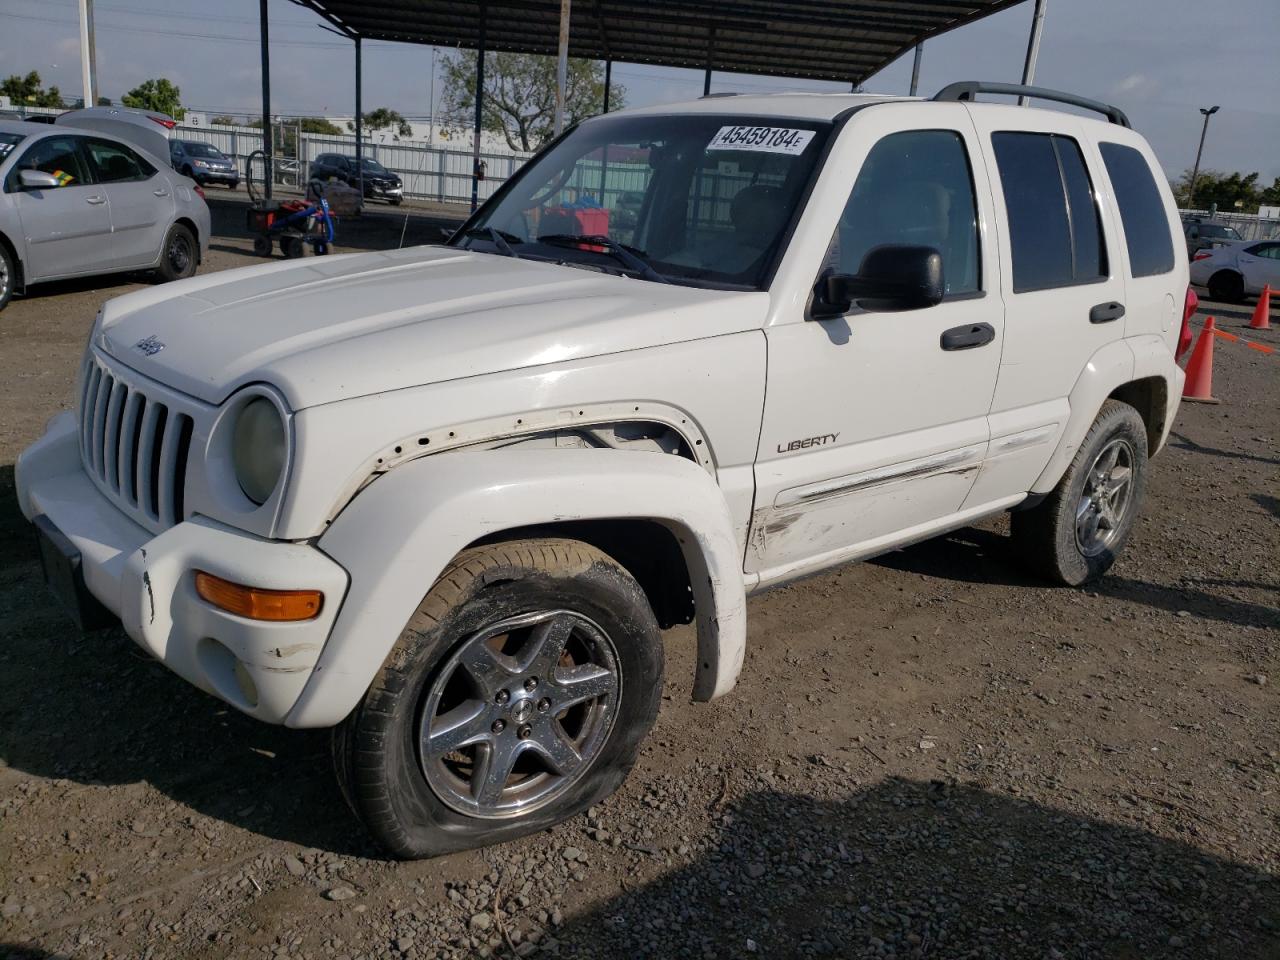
620 252
499 239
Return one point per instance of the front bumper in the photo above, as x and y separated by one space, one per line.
390 192
217 176
148 581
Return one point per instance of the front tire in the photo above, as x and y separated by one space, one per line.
517 696
1075 535
8 276
179 256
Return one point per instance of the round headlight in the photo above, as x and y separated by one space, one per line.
258 449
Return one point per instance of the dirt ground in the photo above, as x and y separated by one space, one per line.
929 755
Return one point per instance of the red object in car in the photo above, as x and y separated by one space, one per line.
1202 255
199 191
590 221
1191 305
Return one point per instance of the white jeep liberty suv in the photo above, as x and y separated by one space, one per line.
444 499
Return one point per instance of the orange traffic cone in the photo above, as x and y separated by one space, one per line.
1262 312
1199 385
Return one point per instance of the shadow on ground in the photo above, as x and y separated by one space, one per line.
95 709
1182 442
916 869
979 556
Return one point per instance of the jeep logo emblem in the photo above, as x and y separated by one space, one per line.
149 346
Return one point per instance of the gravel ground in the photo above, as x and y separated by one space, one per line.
930 755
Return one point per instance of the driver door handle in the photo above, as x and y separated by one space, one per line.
967 337
1106 312
95 200
160 193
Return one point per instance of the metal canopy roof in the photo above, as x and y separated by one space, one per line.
845 40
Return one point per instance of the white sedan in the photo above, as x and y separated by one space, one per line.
1237 270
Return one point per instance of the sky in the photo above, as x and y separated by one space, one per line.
1159 60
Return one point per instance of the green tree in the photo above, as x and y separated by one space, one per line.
1224 189
319 125
520 94
222 120
1271 195
381 119
27 91
157 94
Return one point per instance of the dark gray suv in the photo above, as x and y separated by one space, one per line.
379 182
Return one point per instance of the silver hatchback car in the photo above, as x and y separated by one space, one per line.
76 202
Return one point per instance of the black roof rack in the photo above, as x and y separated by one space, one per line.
969 89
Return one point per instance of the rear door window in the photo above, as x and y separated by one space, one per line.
1142 211
1055 231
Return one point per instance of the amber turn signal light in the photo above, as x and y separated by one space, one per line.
256 603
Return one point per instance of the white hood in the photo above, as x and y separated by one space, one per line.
332 328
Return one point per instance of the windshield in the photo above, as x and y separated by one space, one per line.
701 199
1216 231
202 150
373 165
7 142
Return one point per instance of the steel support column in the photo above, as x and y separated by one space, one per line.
915 69
88 55
706 78
475 146
264 40
562 65
359 121
1033 48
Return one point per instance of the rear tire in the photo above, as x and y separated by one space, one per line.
1226 286
262 245
292 247
1075 535
418 794
8 276
179 255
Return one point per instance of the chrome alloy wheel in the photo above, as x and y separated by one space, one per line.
4 278
518 713
1104 501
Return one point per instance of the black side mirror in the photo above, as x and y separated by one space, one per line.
893 276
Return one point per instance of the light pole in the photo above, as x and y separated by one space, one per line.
1195 171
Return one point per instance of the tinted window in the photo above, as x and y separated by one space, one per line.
1146 225
704 199
116 163
1269 250
1055 232
914 188
1215 231
59 156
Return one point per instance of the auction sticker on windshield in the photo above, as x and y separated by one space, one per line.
762 139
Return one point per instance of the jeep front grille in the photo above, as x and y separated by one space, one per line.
135 446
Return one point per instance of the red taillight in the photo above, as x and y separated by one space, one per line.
1191 305
163 121
199 191
1202 255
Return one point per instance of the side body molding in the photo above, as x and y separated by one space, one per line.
398 534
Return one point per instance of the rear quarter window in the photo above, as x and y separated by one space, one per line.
1146 225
